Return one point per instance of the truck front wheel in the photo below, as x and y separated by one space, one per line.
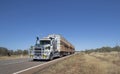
51 57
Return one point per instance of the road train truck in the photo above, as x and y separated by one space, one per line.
52 46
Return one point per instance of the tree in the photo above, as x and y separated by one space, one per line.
104 49
3 51
25 52
116 48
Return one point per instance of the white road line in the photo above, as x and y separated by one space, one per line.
29 68
39 65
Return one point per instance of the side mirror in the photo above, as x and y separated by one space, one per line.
37 38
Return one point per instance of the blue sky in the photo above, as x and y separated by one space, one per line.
85 23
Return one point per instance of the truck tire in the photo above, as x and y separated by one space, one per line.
34 60
51 57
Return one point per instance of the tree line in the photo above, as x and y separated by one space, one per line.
104 49
6 52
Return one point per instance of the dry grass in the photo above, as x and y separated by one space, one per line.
81 64
113 57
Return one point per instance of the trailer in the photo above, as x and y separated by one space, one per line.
52 46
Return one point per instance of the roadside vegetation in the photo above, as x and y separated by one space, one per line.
113 57
6 53
105 60
82 63
104 49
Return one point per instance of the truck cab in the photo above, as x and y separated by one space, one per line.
44 49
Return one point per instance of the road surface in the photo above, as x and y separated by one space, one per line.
14 65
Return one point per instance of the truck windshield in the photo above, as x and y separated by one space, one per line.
44 42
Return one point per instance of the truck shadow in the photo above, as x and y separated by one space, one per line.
36 60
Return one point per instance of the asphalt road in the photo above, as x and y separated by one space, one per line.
14 65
